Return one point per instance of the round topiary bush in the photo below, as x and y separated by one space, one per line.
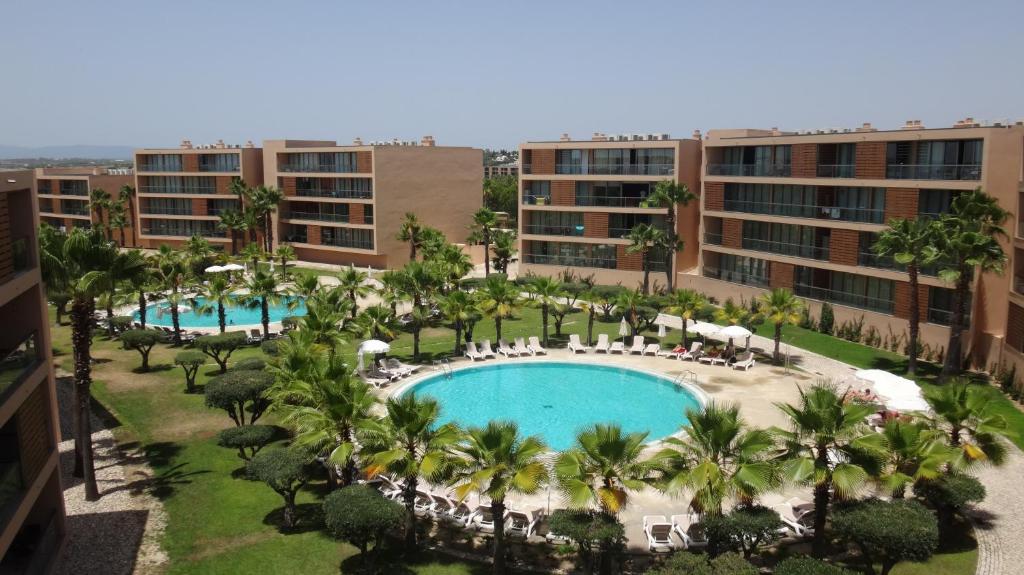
742 529
285 471
290 321
121 322
239 393
948 495
248 439
360 515
250 363
598 536
888 532
269 347
190 361
804 565
142 341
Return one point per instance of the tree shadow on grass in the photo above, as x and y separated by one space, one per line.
393 561
158 456
154 368
309 517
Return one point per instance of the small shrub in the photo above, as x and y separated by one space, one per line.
248 439
683 563
949 495
142 341
888 532
238 392
250 363
285 471
828 319
269 347
803 565
360 515
598 536
806 321
121 322
190 361
742 529
220 346
732 564
290 322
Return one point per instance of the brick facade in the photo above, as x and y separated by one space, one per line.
364 162
901 301
189 163
563 193
781 275
355 214
313 235
900 203
870 158
714 196
288 186
223 184
35 443
199 207
595 225
626 261
6 249
732 233
805 161
542 161
1015 327
844 247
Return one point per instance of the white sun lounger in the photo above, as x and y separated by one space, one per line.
520 347
460 514
798 515
393 363
472 353
602 343
482 519
658 531
522 523
388 488
746 362
485 349
685 526
423 504
575 345
638 345
535 347
651 349
506 350
617 347
696 350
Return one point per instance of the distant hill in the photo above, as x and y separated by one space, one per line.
60 152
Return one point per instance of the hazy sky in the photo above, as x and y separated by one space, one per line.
149 73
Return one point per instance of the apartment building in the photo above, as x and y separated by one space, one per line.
64 198
580 198
32 519
497 170
182 191
345 204
801 211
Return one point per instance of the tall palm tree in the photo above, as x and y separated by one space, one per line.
686 303
254 253
304 286
124 271
969 237
453 264
126 197
602 468
390 291
241 190
669 195
285 253
99 202
232 221
263 292
325 324
118 220
253 221
720 457
544 293
484 222
504 250
643 239
911 243
265 200
376 321
458 307
353 282
217 295
629 302
915 451
408 443
410 232
82 262
829 447
418 282
198 253
969 414
172 269
495 461
780 307
498 298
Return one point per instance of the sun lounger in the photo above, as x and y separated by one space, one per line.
535 347
687 527
423 504
651 349
696 351
388 488
461 515
602 343
506 350
638 345
658 531
393 368
673 353
442 506
254 336
522 523
378 373
472 353
575 345
723 359
744 362
486 350
617 347
482 519
710 358
520 346
798 515
395 364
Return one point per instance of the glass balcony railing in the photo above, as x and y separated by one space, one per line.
873 260
616 169
167 211
318 168
168 190
836 170
940 316
344 194
184 233
712 239
763 170
18 362
861 301
786 249
347 243
736 276
73 211
1018 284
536 200
319 216
570 261
218 168
615 202
572 230
146 167
866 215
933 171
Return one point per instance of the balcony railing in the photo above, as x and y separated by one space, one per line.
940 316
143 167
786 249
712 239
844 298
873 260
536 200
345 194
18 362
734 276
167 211
570 261
76 192
166 190
318 168
574 230
218 168
866 215
72 211
616 169
347 243
1018 284
615 202
836 170
319 216
763 170
933 172
184 233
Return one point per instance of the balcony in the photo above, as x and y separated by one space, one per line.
318 216
574 230
341 194
817 212
20 361
150 210
786 249
152 167
615 202
712 239
736 276
536 199
318 168
570 261
762 170
844 298
873 260
347 243
208 190
836 170
73 211
616 169
940 316
184 233
933 172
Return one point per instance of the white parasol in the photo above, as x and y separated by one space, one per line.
373 346
734 331
897 393
233 268
214 269
704 328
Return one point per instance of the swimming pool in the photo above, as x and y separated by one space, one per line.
160 313
557 399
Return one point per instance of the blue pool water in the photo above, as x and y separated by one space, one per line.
160 314
555 399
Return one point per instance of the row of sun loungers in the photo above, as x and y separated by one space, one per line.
796 514
388 370
695 353
519 348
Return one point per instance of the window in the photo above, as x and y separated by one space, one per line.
218 207
347 238
612 194
737 269
854 290
182 228
570 254
361 188
179 185
74 207
319 162
536 192
160 163
569 161
295 233
174 206
619 225
786 239
367 213
934 203
73 188
940 306
554 223
934 160
218 162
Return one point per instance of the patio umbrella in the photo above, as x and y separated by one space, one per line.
897 393
704 329
233 267
373 346
661 330
214 269
624 329
732 331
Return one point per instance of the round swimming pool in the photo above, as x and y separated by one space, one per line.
557 399
189 316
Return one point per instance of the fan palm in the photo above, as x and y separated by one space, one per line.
968 413
643 239
171 270
126 197
602 468
353 282
780 307
504 250
263 291
409 231
198 253
390 289
254 253
458 307
720 457
829 447
231 221
408 443
484 222
498 298
629 302
378 322
915 451
453 264
100 203
217 296
324 323
544 293
686 303
285 253
495 461
669 195
264 200
118 220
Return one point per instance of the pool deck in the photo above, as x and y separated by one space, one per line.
755 391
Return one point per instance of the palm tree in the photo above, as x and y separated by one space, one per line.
629 302
643 238
126 196
83 262
263 292
915 451
99 201
125 270
198 253
408 443
410 232
253 220
484 222
603 467
452 263
686 303
254 253
231 221
240 189
780 307
504 249
322 321
969 237
828 446
285 253
969 414
118 220
171 269
494 461
498 298
390 291
353 282
265 200
305 286
668 195
720 457
544 293
217 295
378 322
911 243
458 307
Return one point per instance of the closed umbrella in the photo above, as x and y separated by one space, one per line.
661 330
624 329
